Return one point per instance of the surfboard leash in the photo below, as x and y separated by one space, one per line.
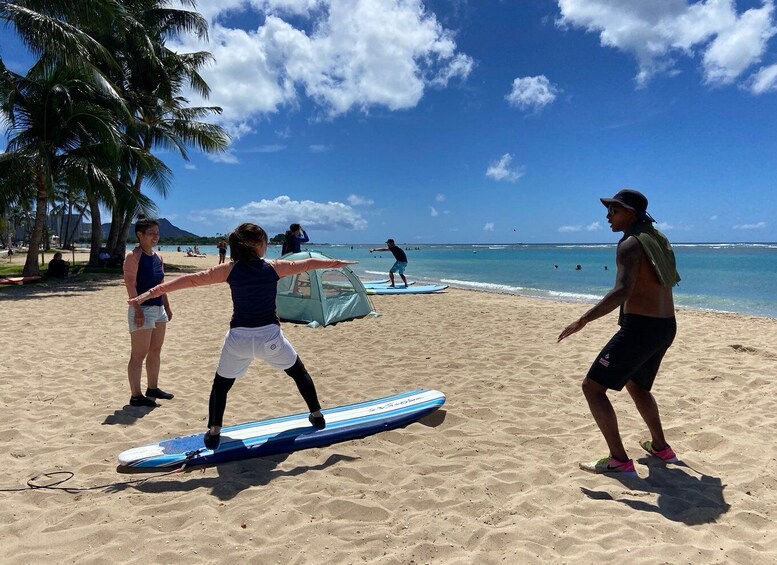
33 483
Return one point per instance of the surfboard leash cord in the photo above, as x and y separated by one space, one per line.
33 483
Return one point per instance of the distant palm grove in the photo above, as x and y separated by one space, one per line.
82 124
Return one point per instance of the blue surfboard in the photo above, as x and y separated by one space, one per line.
384 284
415 289
288 433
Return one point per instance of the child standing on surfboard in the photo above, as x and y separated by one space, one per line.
254 331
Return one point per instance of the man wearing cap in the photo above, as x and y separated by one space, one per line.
646 273
400 260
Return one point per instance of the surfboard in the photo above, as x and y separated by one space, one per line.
18 280
415 289
383 284
288 433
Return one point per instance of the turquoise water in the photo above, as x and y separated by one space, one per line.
724 277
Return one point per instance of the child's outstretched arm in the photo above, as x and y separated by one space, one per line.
286 268
213 275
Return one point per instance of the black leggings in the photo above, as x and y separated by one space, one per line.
221 385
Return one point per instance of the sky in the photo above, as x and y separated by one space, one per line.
482 121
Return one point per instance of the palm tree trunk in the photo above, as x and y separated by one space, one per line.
71 238
65 227
97 233
113 234
41 202
121 245
8 228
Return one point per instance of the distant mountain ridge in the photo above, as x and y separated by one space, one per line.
166 229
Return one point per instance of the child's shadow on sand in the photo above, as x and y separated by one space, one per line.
234 477
682 497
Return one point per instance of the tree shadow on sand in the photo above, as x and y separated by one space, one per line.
78 284
690 497
233 477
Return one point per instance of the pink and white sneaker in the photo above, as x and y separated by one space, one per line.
667 454
609 465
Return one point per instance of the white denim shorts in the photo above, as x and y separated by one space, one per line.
152 315
243 345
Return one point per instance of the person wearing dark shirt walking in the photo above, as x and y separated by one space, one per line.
400 262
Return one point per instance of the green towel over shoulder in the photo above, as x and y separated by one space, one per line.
659 251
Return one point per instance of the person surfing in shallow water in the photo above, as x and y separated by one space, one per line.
254 331
645 276
400 260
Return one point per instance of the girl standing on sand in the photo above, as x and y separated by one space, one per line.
255 330
147 318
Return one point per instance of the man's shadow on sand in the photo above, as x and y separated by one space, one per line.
692 498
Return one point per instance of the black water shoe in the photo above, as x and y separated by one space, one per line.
143 401
159 393
318 422
211 441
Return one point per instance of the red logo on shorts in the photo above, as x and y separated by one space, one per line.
604 361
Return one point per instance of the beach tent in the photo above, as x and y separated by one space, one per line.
323 296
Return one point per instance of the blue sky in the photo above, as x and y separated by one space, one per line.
483 120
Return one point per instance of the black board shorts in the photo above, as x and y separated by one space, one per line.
634 353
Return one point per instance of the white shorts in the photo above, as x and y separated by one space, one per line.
243 345
152 315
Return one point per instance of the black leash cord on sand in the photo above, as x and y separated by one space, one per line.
32 484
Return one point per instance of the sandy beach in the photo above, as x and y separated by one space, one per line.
491 478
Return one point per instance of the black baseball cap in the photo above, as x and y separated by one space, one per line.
633 200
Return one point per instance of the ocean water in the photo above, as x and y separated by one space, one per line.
728 277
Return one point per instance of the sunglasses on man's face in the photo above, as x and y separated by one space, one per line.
611 210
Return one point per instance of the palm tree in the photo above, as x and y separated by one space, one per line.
57 121
112 56
151 79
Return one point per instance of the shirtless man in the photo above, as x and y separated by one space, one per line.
643 290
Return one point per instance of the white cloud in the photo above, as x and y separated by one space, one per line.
440 198
713 218
319 148
278 213
758 226
532 93
500 170
570 229
765 80
434 213
274 148
489 226
190 167
356 200
739 45
657 32
227 157
595 226
343 54
665 226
